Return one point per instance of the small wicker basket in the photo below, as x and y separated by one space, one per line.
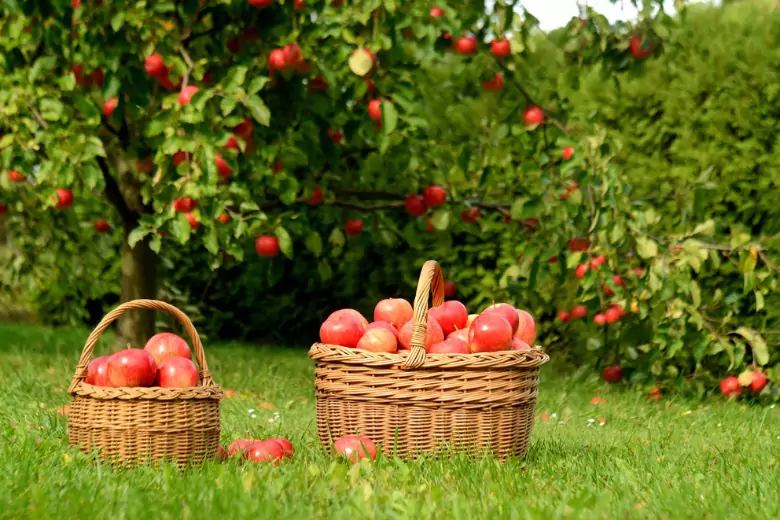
415 403
130 426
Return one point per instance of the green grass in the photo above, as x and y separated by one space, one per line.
674 459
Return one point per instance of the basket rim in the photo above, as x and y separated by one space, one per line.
321 352
151 393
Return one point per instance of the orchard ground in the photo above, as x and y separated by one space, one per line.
618 456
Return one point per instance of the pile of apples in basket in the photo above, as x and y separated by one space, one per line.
451 329
165 361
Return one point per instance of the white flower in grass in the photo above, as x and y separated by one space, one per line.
251 410
254 416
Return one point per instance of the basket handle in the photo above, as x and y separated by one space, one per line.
431 282
156 305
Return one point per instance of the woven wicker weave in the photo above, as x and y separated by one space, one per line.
136 425
415 403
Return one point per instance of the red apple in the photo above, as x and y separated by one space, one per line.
433 334
299 5
465 45
434 196
15 176
449 346
223 217
64 198
564 316
461 335
451 315
293 55
193 220
533 115
3 209
577 312
581 270
222 453
232 144
730 387
508 312
223 169
185 96
382 325
131 367
337 315
471 319
375 109
517 344
345 331
611 315
166 345
264 451
335 135
598 261
415 205
110 105
355 447
758 382
177 372
612 374
436 12
429 224
267 246
640 48
102 226
286 445
579 244
600 319
490 332
316 197
276 60
238 445
494 84
260 4
568 152
97 372
470 215
354 226
500 48
526 329
154 66
395 311
184 205
378 339
450 289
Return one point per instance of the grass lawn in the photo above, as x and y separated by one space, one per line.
670 459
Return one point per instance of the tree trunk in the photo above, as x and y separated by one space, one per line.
139 280
139 263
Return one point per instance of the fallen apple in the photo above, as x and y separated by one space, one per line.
355 447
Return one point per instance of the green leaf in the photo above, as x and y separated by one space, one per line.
440 219
118 20
259 110
516 212
210 240
337 238
44 63
257 84
705 228
85 106
227 105
155 243
695 293
6 140
285 241
180 229
136 236
51 109
757 344
313 243
389 117
759 300
237 76
646 247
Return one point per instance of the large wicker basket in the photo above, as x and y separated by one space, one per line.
415 403
132 426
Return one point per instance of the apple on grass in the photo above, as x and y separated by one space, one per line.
490 332
355 447
238 445
177 372
166 345
395 311
264 451
433 334
131 367
97 372
378 340
287 447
